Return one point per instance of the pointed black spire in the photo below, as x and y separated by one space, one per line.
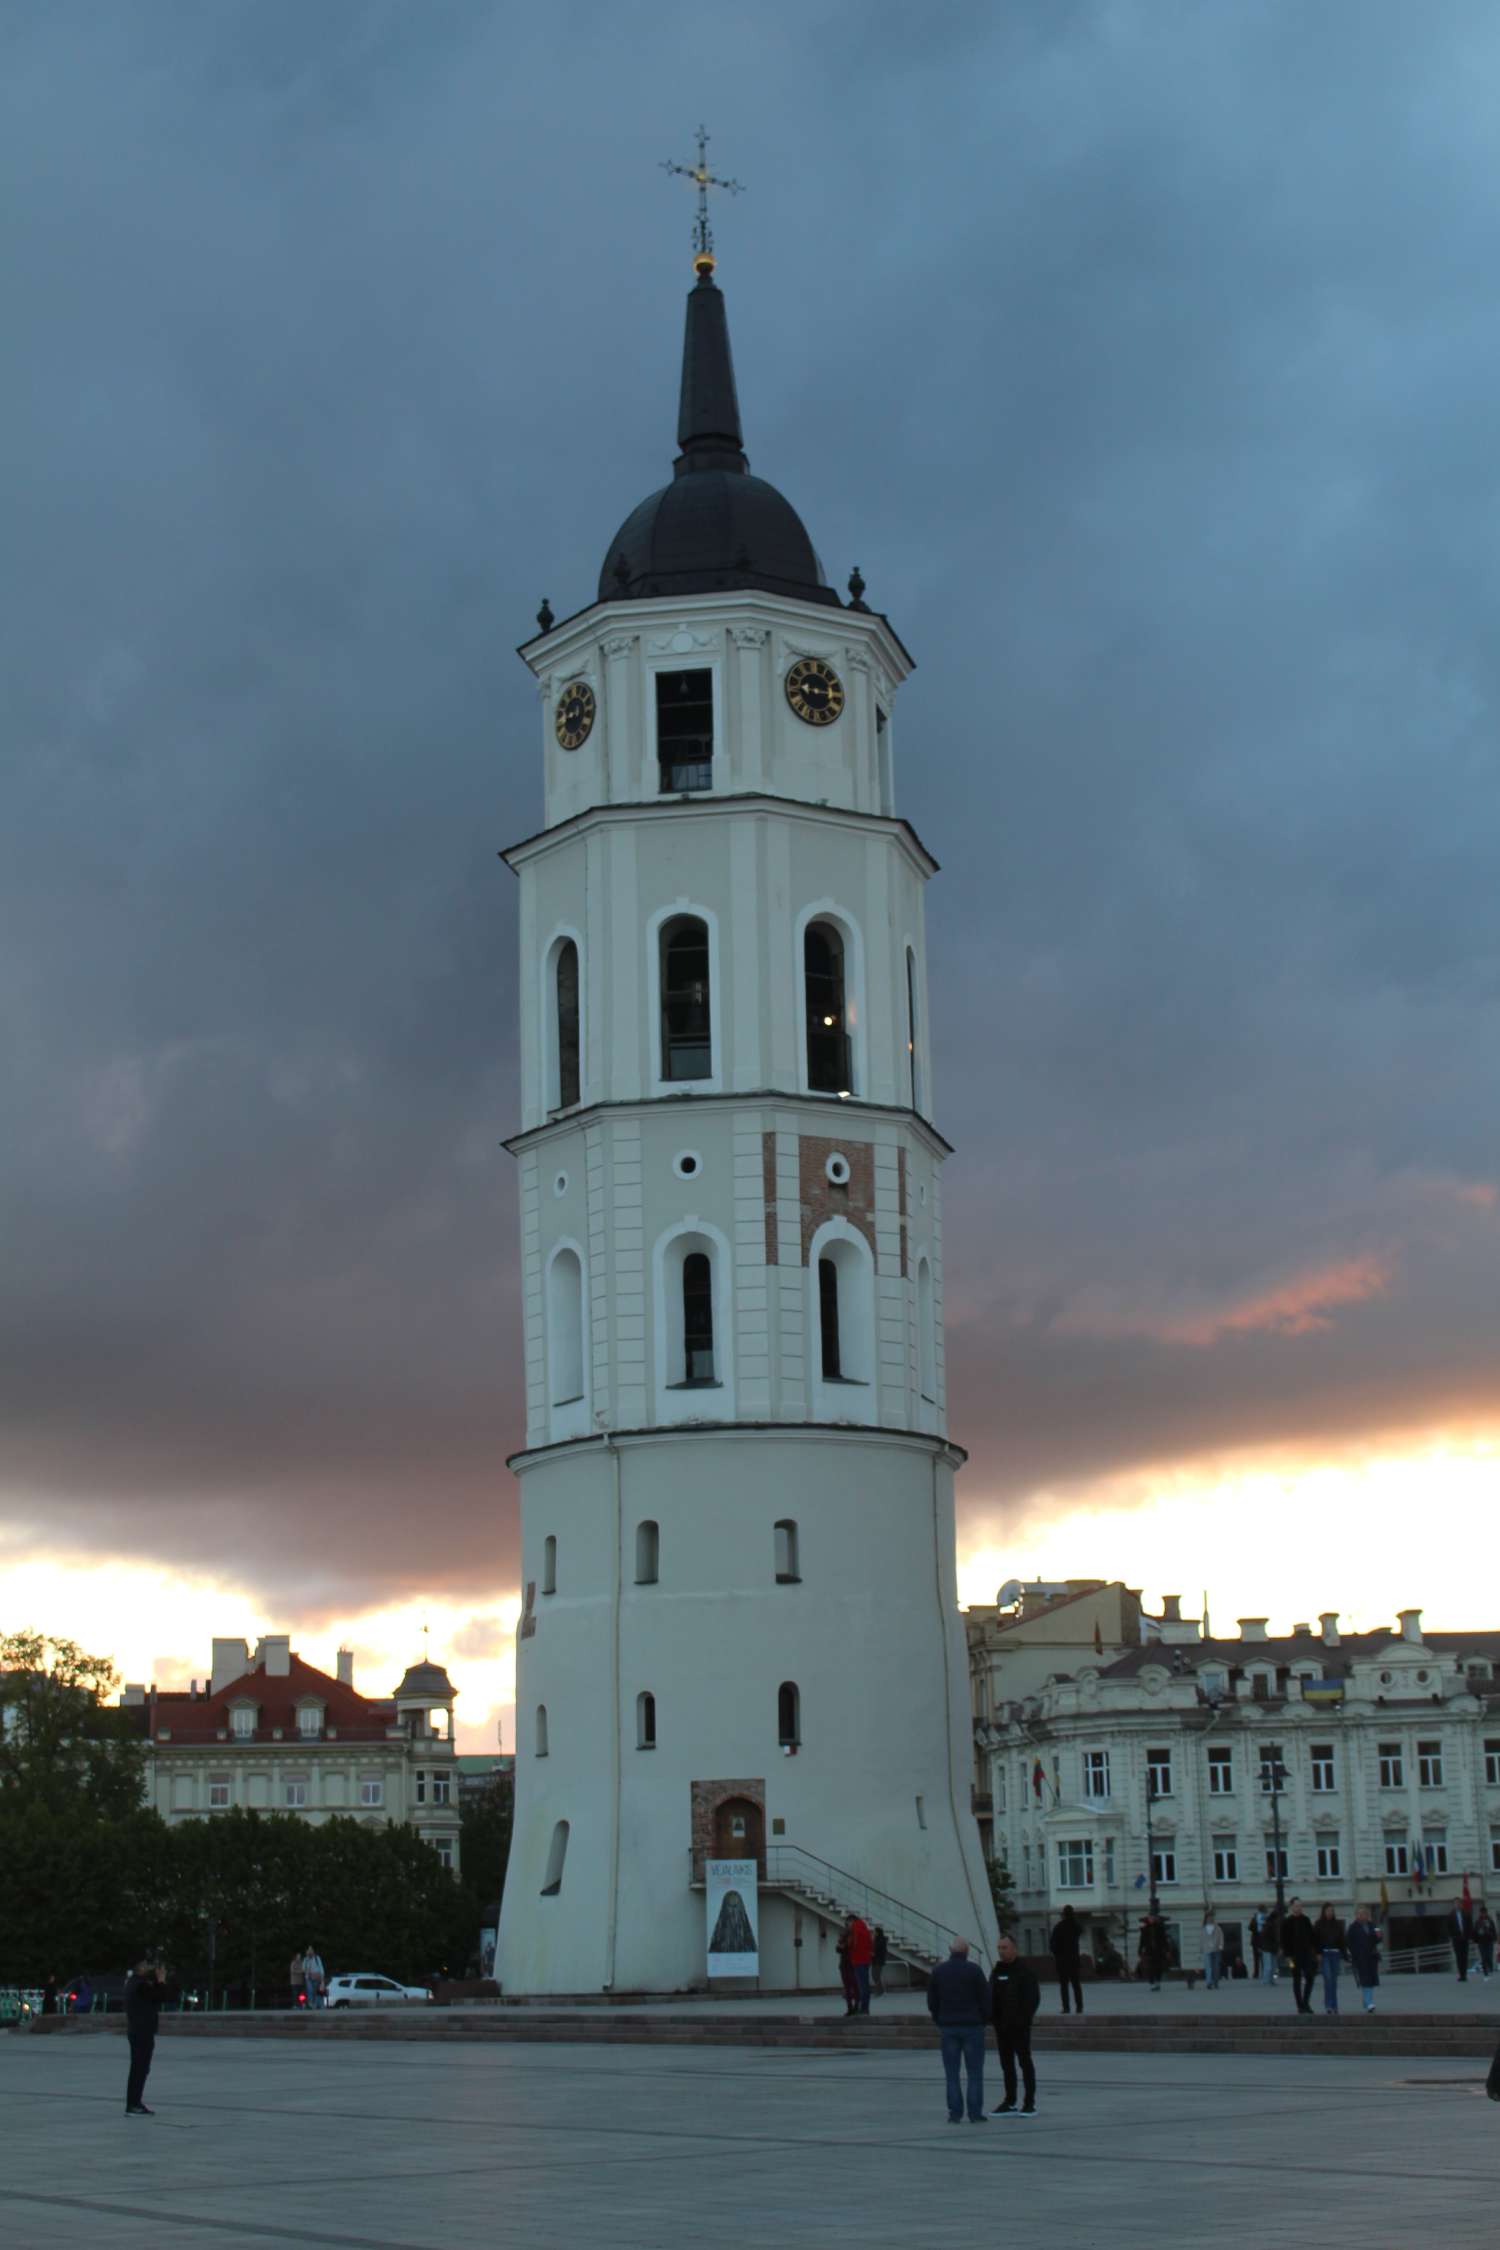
708 415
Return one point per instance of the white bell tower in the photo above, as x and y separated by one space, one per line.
740 1633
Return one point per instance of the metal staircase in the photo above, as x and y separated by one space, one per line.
832 1894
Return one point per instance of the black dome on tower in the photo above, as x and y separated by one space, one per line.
715 528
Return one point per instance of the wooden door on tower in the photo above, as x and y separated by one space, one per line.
740 1831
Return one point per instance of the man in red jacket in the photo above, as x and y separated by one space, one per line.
861 1953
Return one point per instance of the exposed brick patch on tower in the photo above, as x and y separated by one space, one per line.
707 1797
822 1199
901 1207
768 1177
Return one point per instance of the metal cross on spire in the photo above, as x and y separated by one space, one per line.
703 180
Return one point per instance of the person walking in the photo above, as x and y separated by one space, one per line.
1328 1931
1363 1941
1484 1940
1460 1931
1213 1952
1301 1949
878 1960
958 2001
847 1978
1066 1941
143 1996
1152 1953
313 1976
1015 1997
1263 1945
296 1973
861 1954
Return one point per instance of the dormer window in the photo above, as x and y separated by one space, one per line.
685 731
242 1721
309 1719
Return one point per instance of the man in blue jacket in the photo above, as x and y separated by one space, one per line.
958 2000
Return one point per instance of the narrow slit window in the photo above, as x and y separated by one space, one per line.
827 1013
914 1068
541 1730
698 1318
647 1553
685 731
926 1332
556 1856
645 1721
549 1564
687 1048
828 1319
565 1328
787 1570
565 998
788 1715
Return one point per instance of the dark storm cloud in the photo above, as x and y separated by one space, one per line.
1145 361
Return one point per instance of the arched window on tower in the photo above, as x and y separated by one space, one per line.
915 1068
842 1310
565 1328
541 1730
566 1088
828 1059
698 1317
549 1563
685 731
828 1320
687 1047
788 1715
645 1721
556 1856
926 1332
647 1553
787 1570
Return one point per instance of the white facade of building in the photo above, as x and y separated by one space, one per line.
1387 1747
740 1633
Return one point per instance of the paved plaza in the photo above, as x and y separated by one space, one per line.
431 2148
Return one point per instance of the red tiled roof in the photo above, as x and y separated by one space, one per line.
202 1718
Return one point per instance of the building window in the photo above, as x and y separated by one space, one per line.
1492 1763
442 1785
1495 1850
371 1793
1272 1771
685 731
788 1572
1221 1771
1395 1858
443 1846
1430 1765
1226 1860
1164 1865
687 1047
549 1563
828 1066
828 1320
926 1333
296 1795
1328 1858
565 1327
242 1721
541 1730
844 1310
697 1318
1075 1864
1261 1686
557 1853
645 1721
218 1796
1276 1863
1392 1767
1323 1776
1096 1774
564 1091
421 1781
1435 1850
310 1719
914 1073
647 1553
1109 1861
1158 1773
788 1715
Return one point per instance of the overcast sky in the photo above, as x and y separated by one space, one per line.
1144 357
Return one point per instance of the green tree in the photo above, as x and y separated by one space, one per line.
61 1744
1002 1890
484 1847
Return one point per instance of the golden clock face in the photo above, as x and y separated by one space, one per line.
575 715
815 691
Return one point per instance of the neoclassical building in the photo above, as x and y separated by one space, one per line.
1117 1752
274 1734
740 1634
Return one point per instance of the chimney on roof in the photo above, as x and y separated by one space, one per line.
1410 1622
1171 1609
274 1652
1328 1626
231 1662
345 1665
1302 1627
1252 1628
134 1692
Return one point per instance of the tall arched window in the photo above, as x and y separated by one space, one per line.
541 1730
787 1571
911 1029
565 1024
565 1328
556 1855
645 1721
926 1332
686 1015
841 1312
697 1317
788 1715
828 1061
647 1553
828 1319
549 1563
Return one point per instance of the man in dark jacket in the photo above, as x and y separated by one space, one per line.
1153 1953
142 2007
1066 1937
958 2000
1015 1997
1300 1945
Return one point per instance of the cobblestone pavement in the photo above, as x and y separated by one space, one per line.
423 2148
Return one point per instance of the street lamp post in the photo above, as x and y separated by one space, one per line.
1273 1774
1151 1840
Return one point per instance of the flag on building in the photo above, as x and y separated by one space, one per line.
1037 1778
1468 1901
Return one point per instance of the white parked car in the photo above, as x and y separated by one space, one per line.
372 1992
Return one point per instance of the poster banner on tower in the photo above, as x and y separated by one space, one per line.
733 1918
